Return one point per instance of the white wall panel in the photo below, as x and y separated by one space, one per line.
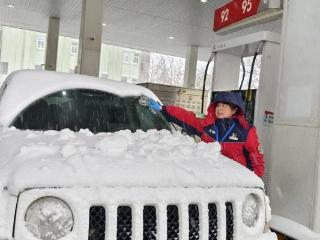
295 151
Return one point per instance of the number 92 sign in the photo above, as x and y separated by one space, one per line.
235 11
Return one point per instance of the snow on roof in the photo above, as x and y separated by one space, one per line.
26 86
142 159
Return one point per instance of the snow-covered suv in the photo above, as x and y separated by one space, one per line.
85 159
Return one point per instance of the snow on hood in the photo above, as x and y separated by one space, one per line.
142 159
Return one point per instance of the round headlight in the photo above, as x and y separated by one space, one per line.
250 211
49 218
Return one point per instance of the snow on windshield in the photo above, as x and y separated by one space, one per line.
153 158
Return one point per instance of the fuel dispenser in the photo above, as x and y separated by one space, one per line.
290 83
260 110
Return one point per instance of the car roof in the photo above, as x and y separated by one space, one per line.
24 87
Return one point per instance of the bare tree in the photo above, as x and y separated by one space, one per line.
201 67
166 69
255 75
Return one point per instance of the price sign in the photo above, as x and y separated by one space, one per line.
235 11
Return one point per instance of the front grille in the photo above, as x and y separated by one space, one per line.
229 221
193 222
149 223
172 222
124 223
213 221
97 222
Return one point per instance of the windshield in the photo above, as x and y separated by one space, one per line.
83 108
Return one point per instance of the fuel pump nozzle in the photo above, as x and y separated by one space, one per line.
204 80
248 94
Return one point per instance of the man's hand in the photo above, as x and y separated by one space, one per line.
154 105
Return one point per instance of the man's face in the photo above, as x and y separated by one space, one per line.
224 110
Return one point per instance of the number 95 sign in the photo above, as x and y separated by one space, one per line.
235 11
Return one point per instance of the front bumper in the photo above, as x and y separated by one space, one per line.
216 212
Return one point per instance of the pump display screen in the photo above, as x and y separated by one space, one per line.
235 11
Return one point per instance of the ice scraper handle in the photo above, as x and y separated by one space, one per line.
154 105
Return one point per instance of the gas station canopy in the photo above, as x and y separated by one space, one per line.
162 26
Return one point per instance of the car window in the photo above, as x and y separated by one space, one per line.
83 108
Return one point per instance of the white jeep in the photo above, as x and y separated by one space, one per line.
85 159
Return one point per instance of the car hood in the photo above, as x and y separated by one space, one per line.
32 159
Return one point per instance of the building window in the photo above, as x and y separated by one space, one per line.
3 67
104 75
40 43
74 48
0 38
136 58
126 57
124 79
39 66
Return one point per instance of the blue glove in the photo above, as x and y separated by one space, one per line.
154 105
